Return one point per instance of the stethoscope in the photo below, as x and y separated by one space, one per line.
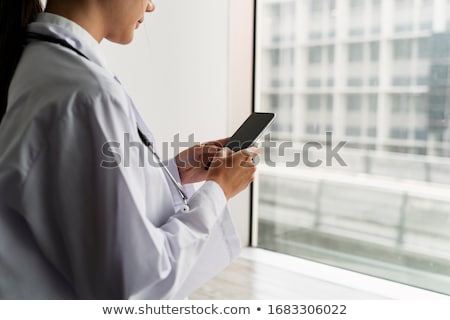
177 185
144 139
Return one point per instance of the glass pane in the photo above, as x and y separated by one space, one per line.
359 175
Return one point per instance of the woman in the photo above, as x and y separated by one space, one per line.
73 226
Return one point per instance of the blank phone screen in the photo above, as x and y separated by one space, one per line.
250 130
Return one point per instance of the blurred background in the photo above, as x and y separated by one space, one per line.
374 73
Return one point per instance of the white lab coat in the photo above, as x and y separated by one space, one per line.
70 229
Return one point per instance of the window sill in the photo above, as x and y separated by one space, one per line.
348 279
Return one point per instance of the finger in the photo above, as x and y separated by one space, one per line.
247 163
225 152
252 151
212 149
209 154
219 143
219 157
206 151
223 141
249 152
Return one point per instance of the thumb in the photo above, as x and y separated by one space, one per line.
249 153
252 151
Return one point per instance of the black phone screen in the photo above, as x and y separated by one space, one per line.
250 130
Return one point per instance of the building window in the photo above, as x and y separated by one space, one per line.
421 134
356 52
332 5
275 57
353 131
374 51
399 133
329 103
386 94
314 103
315 55
354 103
356 4
424 48
316 6
330 54
402 49
373 104
372 132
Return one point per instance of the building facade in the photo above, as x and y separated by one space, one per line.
374 72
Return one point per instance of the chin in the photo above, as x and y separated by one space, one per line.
126 41
122 39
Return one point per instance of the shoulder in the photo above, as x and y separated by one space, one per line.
58 106
58 93
56 81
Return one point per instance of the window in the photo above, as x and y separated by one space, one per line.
329 103
275 57
373 104
355 52
332 5
330 54
356 4
372 132
314 103
353 103
385 213
401 104
402 49
316 6
421 134
315 55
312 129
399 133
319 113
440 45
282 58
353 131
374 51
281 104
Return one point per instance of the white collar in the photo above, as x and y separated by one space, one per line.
70 26
77 36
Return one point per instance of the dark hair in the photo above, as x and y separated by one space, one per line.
15 15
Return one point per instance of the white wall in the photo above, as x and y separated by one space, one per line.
240 93
176 69
190 71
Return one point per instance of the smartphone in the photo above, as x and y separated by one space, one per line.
250 131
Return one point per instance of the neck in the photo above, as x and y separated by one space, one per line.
87 14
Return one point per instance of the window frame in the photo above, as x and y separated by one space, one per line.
403 289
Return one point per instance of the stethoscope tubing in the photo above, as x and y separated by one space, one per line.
177 185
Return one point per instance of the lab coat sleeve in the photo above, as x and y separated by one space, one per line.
210 260
222 246
91 222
